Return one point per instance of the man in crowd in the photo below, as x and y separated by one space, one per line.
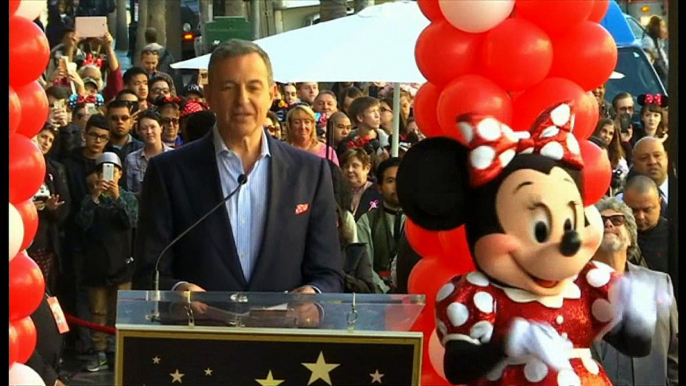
69 133
262 239
325 103
366 117
381 228
150 59
136 80
120 137
641 195
150 129
290 93
619 249
650 159
307 92
623 103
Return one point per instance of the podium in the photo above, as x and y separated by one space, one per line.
268 339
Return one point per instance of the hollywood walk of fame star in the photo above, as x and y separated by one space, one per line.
376 376
208 371
156 360
270 381
176 376
320 369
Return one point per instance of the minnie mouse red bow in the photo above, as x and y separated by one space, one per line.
87 99
160 101
493 144
90 60
653 99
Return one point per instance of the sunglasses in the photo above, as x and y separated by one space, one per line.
272 128
616 219
170 120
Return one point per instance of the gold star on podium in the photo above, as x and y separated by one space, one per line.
156 360
176 376
270 381
208 372
320 369
376 376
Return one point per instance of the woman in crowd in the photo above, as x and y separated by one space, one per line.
272 125
346 97
607 130
386 113
301 133
651 123
411 127
356 165
654 45
357 265
169 110
51 201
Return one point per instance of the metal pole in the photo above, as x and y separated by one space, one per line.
672 146
255 16
396 120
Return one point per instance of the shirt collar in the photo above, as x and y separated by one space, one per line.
220 146
664 188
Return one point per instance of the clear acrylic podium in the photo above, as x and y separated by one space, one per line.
241 338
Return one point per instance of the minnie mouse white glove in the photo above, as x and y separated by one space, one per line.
539 340
637 301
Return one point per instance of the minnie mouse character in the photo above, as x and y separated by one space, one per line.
531 311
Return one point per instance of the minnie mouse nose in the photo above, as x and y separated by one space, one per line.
570 243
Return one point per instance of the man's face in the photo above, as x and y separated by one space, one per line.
599 94
58 108
139 85
651 160
149 62
371 117
44 139
342 128
96 139
308 92
290 94
616 236
80 117
240 94
158 89
325 104
150 131
625 105
387 188
170 123
121 121
646 208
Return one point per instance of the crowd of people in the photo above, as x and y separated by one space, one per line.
105 187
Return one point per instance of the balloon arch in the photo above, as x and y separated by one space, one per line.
510 59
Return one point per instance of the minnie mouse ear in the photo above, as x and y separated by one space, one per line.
657 99
431 183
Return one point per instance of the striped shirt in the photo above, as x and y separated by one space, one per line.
247 209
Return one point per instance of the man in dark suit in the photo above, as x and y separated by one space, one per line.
277 233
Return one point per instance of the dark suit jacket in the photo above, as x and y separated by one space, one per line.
181 186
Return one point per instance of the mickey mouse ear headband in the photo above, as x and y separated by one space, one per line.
653 99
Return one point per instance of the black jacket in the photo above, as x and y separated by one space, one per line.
50 222
45 359
77 167
358 269
654 244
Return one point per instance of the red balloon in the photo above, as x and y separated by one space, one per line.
586 43
531 104
441 43
424 242
27 168
597 172
14 5
431 377
26 336
29 50
554 17
425 110
29 216
14 344
431 9
34 109
15 111
472 94
456 250
427 277
516 54
27 286
599 10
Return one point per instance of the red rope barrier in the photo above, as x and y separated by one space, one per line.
89 325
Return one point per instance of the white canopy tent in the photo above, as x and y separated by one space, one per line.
375 45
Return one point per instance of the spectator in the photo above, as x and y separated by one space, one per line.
607 130
604 107
60 16
188 109
623 103
159 88
365 114
150 128
149 62
346 97
411 127
325 103
357 265
70 134
650 159
386 118
651 121
95 7
641 195
193 92
136 80
52 204
356 164
169 110
198 125
166 59
121 139
272 125
289 94
619 250
113 74
653 42
68 49
46 359
79 117
301 133
340 124
307 92
106 216
380 228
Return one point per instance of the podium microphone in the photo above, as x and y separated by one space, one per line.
242 179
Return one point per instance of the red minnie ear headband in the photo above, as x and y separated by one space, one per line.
654 99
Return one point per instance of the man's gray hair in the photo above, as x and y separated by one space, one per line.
634 252
642 184
235 48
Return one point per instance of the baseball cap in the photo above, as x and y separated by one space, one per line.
192 88
108 157
91 81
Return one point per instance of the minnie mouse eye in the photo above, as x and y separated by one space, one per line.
541 223
541 231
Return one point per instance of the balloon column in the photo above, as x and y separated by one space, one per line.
510 59
30 53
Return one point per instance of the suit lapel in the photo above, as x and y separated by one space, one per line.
281 167
217 224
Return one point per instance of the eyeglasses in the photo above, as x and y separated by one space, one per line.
272 128
616 219
117 118
96 137
167 121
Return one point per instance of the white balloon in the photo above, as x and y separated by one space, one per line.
22 375
16 226
476 16
31 9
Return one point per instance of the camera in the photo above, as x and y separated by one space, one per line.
616 181
625 122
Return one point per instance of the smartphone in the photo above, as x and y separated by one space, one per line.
63 63
108 172
91 109
624 122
